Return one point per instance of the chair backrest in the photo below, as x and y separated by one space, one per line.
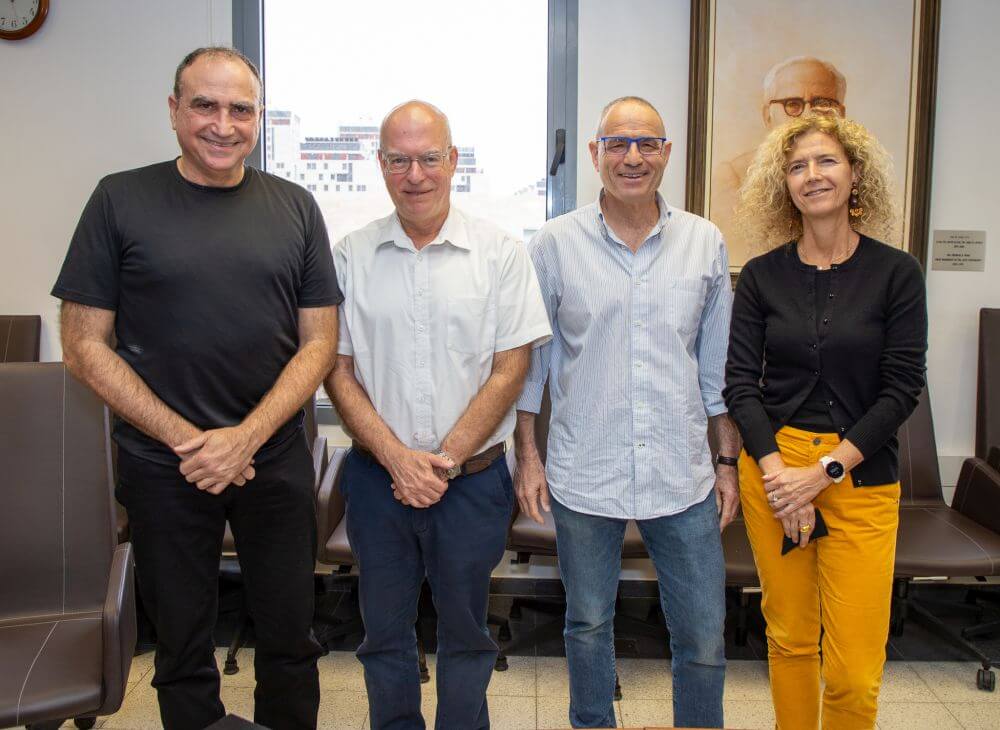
56 529
20 337
988 387
919 474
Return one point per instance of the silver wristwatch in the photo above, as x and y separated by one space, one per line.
456 470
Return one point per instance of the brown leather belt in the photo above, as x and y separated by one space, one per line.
473 465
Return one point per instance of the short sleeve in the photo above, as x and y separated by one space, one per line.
319 287
521 312
91 270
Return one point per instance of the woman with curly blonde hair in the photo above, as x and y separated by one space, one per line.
826 360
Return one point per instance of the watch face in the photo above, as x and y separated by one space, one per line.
834 469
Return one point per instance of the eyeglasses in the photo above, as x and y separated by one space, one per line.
398 164
795 105
648 146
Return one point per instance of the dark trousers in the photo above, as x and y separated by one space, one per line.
177 534
455 543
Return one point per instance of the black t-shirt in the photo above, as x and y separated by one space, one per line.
206 284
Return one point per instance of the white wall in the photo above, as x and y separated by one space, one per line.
83 97
637 48
87 95
964 195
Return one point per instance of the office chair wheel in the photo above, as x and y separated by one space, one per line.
986 680
231 666
85 723
501 664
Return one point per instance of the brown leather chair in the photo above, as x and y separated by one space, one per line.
935 539
988 388
230 566
67 611
20 337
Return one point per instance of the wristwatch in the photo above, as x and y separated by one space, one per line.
456 470
727 460
833 468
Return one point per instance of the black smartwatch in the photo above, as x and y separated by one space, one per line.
727 460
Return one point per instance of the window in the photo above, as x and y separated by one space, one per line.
504 73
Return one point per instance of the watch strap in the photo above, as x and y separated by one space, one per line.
727 460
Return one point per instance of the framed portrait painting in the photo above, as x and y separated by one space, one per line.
756 63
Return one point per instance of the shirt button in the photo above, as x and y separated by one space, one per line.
420 328
815 372
843 430
640 446
829 296
826 320
638 365
813 346
830 403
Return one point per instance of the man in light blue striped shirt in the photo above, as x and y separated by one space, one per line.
639 300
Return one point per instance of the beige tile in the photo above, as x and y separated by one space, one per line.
645 679
747 681
140 711
953 681
639 712
552 677
245 677
553 713
748 714
517 681
901 683
910 715
512 713
976 714
341 671
70 726
238 701
141 666
342 710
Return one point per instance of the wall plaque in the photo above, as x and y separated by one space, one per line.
959 251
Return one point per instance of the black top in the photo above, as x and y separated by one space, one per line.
206 284
869 349
814 413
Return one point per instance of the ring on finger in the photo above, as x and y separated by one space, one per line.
805 528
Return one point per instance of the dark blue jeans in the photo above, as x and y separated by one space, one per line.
687 552
455 544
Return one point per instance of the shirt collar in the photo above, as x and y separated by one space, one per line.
665 214
453 232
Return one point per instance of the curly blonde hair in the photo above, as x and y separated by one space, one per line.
766 214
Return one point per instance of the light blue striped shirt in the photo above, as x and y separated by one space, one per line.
636 361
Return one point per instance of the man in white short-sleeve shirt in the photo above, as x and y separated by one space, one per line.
441 313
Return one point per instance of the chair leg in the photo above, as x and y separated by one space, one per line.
85 723
985 677
231 666
983 629
742 631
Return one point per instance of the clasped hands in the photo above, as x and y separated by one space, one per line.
212 460
790 493
419 478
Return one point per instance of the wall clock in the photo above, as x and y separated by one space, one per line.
21 18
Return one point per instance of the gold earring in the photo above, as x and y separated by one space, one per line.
855 208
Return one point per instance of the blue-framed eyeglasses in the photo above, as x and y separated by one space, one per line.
648 146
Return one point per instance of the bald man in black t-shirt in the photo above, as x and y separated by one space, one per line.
218 284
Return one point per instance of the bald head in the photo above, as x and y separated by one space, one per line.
802 77
411 115
628 105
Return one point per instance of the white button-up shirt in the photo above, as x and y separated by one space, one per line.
422 326
636 362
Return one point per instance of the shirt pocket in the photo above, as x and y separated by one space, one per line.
686 298
468 329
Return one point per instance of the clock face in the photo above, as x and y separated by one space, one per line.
20 18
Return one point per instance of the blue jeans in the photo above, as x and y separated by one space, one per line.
456 544
686 550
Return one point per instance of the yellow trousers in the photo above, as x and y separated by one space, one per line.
834 594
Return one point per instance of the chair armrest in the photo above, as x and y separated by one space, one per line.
993 458
319 459
118 628
977 495
329 506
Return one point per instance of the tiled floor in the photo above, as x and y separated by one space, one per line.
533 693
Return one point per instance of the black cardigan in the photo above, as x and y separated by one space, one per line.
869 348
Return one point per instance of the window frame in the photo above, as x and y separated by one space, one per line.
563 66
